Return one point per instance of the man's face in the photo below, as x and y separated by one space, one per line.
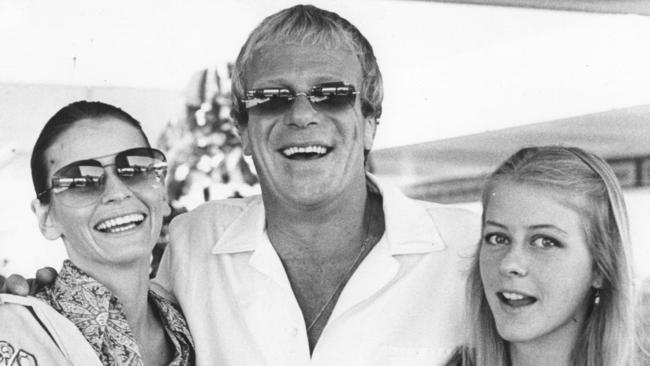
307 156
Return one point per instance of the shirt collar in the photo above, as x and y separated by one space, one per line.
244 234
98 314
409 226
173 322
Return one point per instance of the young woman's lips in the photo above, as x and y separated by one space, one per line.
515 299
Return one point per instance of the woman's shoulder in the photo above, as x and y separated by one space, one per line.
32 331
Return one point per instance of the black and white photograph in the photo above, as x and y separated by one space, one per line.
286 183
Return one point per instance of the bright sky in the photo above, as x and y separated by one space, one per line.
449 69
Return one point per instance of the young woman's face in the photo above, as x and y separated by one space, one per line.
535 263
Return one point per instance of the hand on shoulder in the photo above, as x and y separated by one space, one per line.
17 285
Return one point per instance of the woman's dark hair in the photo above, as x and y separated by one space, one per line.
60 122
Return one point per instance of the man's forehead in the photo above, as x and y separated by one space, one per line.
302 65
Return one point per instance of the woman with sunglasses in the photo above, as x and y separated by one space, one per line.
100 188
552 282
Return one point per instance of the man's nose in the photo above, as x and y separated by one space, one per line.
515 261
115 189
302 113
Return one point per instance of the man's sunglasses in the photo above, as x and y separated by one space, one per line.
326 97
81 183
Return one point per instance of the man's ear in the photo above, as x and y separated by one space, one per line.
245 140
369 132
45 221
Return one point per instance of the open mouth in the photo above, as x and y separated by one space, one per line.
120 224
516 300
309 152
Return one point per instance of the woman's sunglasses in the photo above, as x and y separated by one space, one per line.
81 183
326 97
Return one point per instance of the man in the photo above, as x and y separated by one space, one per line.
328 266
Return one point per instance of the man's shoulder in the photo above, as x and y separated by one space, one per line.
218 211
457 225
201 228
459 215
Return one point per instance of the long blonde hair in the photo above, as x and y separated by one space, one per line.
607 336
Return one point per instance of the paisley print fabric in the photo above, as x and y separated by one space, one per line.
99 316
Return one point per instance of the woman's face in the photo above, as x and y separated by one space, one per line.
535 263
123 224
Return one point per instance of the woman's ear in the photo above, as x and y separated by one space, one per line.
167 207
45 221
597 279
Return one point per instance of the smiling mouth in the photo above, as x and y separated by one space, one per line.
120 224
309 152
516 300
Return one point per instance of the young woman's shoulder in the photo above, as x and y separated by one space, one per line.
460 355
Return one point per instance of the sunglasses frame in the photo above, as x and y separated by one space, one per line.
58 182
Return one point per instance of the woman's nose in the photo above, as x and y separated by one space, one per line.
115 189
514 262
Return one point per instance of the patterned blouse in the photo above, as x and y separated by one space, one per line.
99 316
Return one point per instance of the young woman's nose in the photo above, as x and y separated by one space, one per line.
514 262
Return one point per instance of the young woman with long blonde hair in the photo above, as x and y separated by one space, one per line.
552 282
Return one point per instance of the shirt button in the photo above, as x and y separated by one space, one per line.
294 331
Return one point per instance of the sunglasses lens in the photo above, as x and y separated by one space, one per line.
269 101
327 97
275 105
82 183
79 183
141 168
333 103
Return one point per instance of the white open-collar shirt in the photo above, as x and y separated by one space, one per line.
402 306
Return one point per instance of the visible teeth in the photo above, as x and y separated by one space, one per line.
312 149
122 223
512 296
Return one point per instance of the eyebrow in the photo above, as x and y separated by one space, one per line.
276 81
494 223
322 79
540 226
546 226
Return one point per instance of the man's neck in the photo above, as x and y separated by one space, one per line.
321 249
317 234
